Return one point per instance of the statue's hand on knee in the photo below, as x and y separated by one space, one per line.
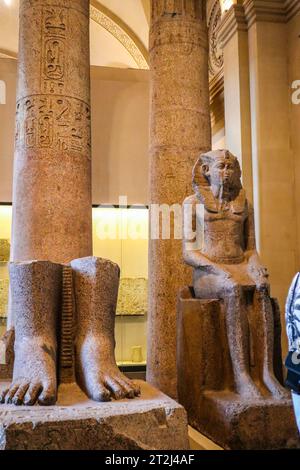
258 272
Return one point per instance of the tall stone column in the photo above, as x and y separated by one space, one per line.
179 131
52 166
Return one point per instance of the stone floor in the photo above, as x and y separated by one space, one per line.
200 442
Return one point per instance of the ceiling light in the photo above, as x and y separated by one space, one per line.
7 2
226 4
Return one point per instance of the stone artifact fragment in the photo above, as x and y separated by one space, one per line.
96 283
36 300
4 250
4 287
179 131
4 277
229 354
133 296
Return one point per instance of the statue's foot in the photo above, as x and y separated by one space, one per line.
275 388
34 377
109 382
99 374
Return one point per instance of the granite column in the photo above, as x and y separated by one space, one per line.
179 131
52 217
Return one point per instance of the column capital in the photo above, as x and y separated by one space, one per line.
272 11
232 21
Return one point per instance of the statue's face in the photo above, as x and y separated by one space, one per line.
223 171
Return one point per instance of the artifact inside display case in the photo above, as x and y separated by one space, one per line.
4 286
121 235
132 298
5 227
117 234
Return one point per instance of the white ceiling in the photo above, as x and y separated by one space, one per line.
133 14
106 50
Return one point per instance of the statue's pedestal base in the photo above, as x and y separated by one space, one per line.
152 421
206 385
237 424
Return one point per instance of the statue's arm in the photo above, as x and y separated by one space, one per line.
258 272
250 242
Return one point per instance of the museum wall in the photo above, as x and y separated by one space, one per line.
120 109
273 164
293 28
8 70
261 61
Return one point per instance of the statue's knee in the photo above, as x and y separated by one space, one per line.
233 284
232 287
264 289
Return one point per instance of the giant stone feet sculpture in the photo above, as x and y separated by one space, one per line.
228 326
96 290
39 309
43 296
36 295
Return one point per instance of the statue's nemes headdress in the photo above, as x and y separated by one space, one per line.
201 184
199 179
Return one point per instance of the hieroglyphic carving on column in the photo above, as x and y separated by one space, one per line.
53 58
186 34
53 135
216 59
171 35
53 122
191 8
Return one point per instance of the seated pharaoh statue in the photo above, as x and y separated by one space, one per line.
227 267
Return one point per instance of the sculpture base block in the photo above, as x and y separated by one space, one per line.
206 386
234 423
152 421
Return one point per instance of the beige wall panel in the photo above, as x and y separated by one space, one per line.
273 167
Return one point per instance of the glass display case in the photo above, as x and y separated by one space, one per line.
5 229
121 235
